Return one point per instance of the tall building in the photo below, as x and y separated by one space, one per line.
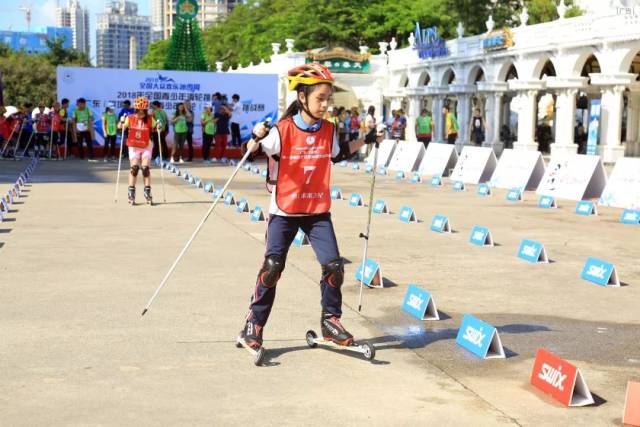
209 12
75 17
36 42
122 37
157 20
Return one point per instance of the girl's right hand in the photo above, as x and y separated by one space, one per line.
259 131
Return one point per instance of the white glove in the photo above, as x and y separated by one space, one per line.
259 131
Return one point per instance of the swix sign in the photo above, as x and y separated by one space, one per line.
560 379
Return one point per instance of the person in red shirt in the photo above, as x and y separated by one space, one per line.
140 125
42 119
301 148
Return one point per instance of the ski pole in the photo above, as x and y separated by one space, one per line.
164 194
66 136
51 140
197 230
365 236
115 197
17 146
27 147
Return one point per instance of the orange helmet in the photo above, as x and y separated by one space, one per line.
309 74
141 103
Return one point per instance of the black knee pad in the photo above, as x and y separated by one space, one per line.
146 171
272 268
134 170
333 273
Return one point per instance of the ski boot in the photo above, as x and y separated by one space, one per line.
131 194
332 330
251 339
147 195
335 336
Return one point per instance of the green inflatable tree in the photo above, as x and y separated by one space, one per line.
185 47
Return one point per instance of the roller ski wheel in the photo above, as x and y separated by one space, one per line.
131 196
147 196
257 353
365 348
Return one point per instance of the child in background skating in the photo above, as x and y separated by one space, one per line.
302 145
140 124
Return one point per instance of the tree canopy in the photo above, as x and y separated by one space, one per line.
247 33
31 78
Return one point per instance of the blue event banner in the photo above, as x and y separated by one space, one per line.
99 86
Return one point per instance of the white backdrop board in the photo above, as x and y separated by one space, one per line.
407 156
258 93
623 187
518 169
439 159
573 177
385 153
475 165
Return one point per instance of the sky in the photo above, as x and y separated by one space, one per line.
43 14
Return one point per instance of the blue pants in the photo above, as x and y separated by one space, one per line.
280 234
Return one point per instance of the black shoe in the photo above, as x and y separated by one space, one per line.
332 330
252 335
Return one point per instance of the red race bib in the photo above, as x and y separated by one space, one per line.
304 169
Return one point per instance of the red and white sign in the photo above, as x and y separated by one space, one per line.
632 405
559 378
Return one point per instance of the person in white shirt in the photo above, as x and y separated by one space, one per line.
236 111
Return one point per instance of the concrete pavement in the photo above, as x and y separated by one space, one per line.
76 270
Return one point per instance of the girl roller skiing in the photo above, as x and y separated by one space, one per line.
140 125
300 148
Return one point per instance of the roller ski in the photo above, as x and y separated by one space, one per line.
147 196
131 195
335 336
251 339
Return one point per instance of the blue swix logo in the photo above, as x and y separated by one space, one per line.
597 271
436 180
406 214
416 301
585 208
479 235
630 216
439 223
370 269
546 202
475 335
484 190
530 250
458 186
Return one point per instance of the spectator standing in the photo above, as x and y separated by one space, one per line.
42 119
451 125
162 123
110 131
180 130
222 131
236 113
125 111
189 109
424 127
82 123
477 128
208 124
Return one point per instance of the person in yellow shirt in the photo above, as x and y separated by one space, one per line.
451 125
